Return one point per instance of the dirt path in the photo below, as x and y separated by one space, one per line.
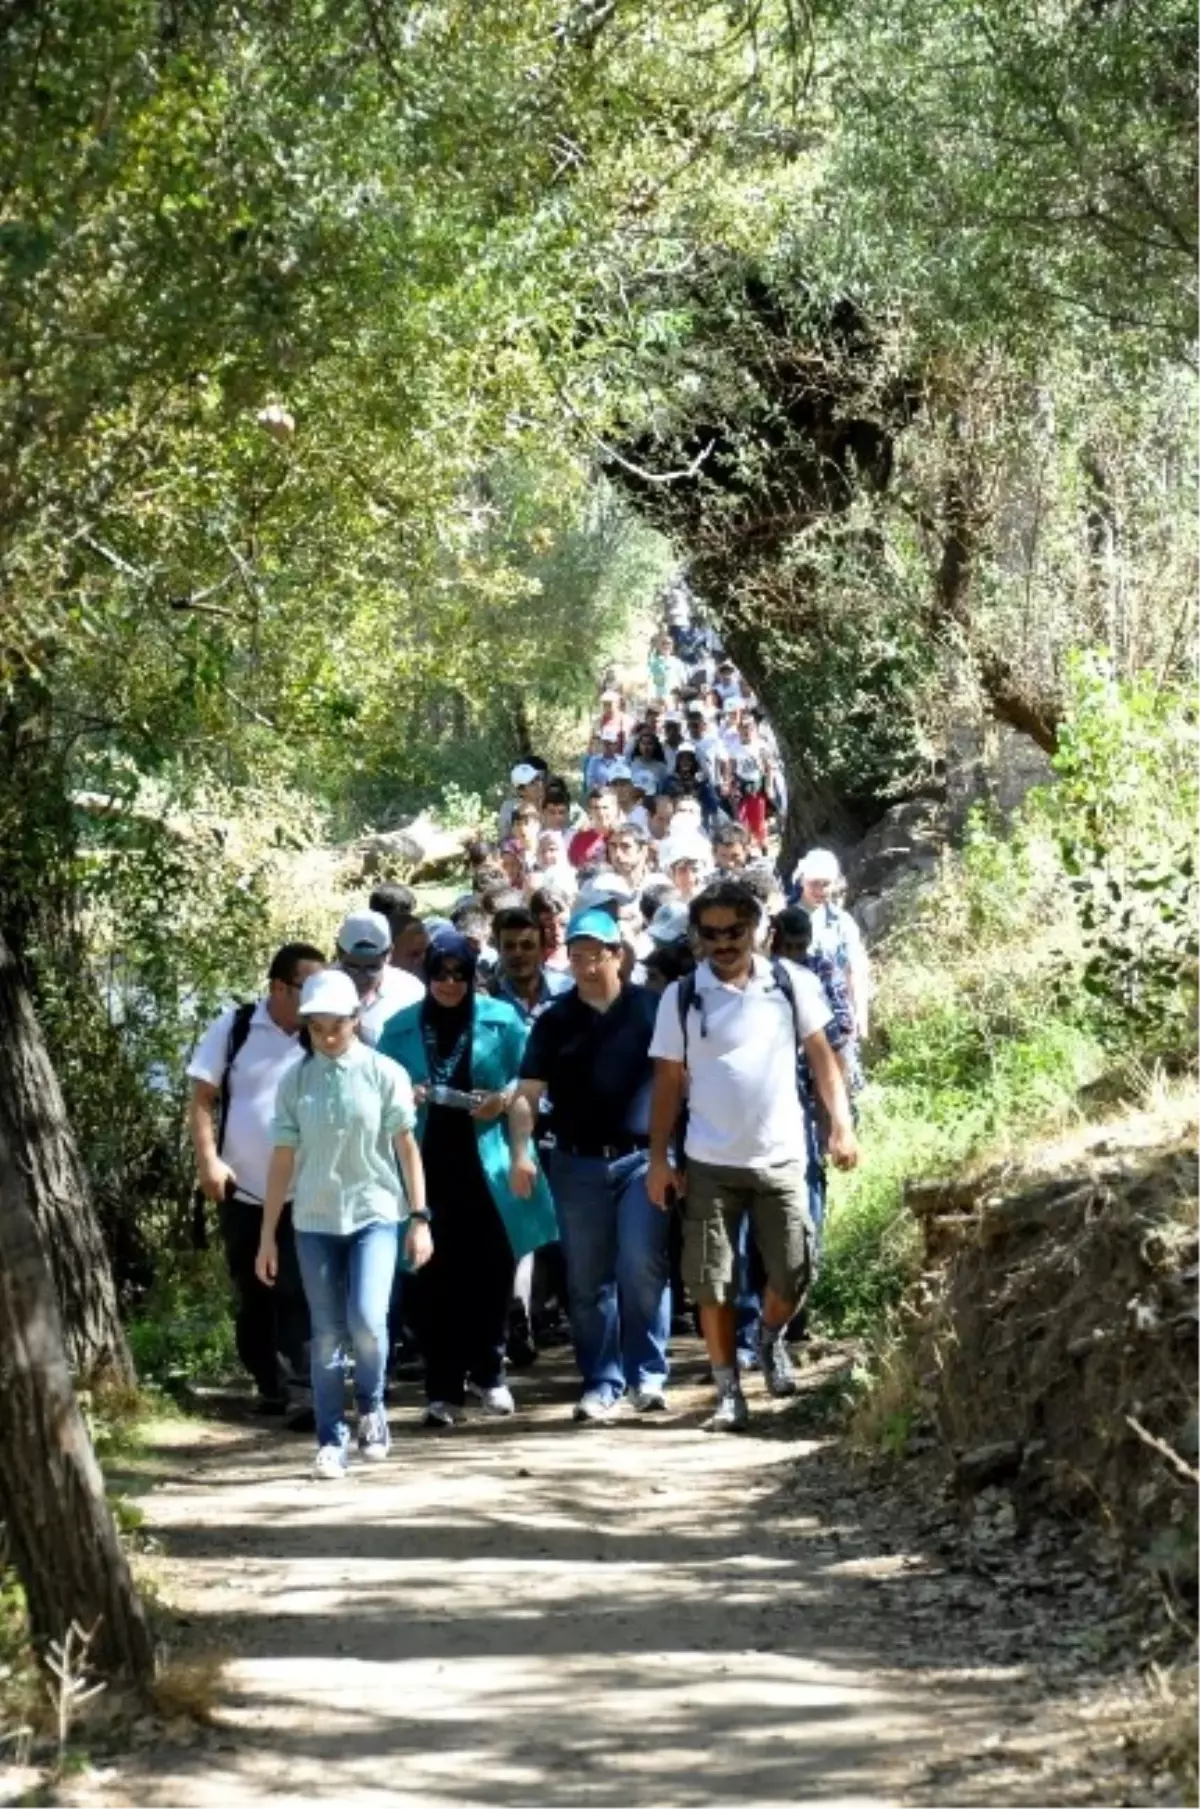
528 1612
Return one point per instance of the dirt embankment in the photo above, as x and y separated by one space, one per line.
1049 1365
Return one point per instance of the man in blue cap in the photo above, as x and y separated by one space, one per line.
590 1051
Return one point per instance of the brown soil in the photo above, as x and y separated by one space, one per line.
531 1612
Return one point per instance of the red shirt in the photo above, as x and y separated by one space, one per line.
585 845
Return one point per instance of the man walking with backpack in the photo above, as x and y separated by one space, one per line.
235 1073
730 1035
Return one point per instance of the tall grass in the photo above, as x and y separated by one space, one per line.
978 1043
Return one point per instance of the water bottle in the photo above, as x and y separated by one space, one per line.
451 1096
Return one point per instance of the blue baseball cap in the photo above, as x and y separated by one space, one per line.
599 925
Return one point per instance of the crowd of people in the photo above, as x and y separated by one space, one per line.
599 1095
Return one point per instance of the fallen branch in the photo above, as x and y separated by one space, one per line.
1160 1445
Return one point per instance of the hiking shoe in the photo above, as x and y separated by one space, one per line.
594 1407
373 1436
778 1371
330 1465
650 1400
439 1415
731 1413
497 1400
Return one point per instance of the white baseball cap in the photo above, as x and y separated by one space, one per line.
601 889
644 779
689 848
669 923
621 769
329 992
365 933
610 732
524 774
609 696
819 863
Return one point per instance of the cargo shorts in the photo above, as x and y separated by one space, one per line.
776 1198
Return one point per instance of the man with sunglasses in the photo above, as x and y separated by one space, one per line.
364 951
732 1038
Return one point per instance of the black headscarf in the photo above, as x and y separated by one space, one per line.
448 1023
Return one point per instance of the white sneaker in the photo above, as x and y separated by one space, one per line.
330 1465
498 1400
650 1400
440 1414
373 1436
595 1407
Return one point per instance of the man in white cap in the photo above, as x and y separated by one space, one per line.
687 861
364 949
528 785
709 745
599 768
834 931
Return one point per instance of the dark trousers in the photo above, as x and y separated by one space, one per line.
269 1323
458 1303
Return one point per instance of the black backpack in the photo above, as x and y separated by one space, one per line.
239 1030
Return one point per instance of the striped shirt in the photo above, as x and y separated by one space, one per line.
340 1116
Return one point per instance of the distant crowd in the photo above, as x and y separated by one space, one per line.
596 1099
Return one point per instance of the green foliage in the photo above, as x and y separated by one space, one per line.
1125 812
183 1328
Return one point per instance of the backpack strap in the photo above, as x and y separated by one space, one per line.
783 981
685 998
239 1030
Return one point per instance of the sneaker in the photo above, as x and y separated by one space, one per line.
595 1407
650 1400
747 1358
373 1436
731 1413
330 1465
778 1372
497 1400
440 1414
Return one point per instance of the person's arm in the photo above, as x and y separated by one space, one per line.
522 1115
669 1080
831 1090
418 1241
213 1174
279 1180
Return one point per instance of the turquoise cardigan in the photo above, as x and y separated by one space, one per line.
498 1042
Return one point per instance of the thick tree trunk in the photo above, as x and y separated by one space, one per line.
61 1533
40 1152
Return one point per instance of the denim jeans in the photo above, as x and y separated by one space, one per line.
348 1282
618 1271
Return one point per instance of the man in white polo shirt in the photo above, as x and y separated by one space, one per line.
733 1036
235 1072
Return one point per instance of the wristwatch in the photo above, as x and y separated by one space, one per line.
422 1216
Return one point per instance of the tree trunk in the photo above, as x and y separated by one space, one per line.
63 1541
40 1152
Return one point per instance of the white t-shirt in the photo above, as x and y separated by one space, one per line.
396 990
711 752
743 1107
260 1064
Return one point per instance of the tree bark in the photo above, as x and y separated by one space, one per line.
39 1154
63 1541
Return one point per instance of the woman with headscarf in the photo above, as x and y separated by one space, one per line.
463 1052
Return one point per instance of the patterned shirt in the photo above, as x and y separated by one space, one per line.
340 1116
551 984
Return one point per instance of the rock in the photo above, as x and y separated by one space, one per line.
421 849
987 1464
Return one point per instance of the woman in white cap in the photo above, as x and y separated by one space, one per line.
528 783
344 1119
834 931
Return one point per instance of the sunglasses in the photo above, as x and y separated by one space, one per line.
375 966
731 932
450 976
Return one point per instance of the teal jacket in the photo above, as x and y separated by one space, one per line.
497 1044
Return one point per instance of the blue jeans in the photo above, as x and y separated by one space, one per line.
348 1284
618 1270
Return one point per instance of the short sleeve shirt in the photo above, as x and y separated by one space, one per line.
744 1108
596 1065
260 1064
340 1116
